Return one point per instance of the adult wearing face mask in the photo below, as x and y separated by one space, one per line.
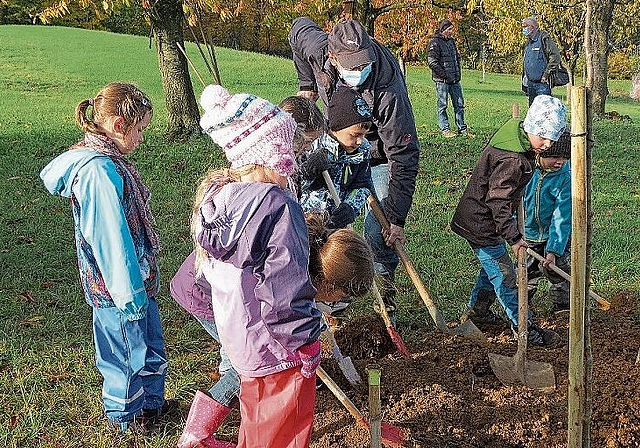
541 57
348 56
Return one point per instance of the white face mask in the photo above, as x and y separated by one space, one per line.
354 78
525 31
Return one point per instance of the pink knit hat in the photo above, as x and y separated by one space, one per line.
250 130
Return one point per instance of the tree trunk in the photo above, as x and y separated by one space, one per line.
183 115
598 25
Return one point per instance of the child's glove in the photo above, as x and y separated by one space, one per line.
314 164
341 217
310 357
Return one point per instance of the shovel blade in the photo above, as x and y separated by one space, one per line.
469 330
535 375
349 371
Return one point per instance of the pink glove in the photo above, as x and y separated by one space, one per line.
310 357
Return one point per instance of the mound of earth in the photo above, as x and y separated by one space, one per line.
446 395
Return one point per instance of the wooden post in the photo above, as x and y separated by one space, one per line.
375 409
579 283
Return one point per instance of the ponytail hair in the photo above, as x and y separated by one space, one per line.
114 100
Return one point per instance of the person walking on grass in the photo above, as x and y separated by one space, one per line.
348 56
635 87
444 62
485 213
253 249
117 246
541 58
547 223
340 263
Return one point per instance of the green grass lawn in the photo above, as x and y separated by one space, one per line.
49 387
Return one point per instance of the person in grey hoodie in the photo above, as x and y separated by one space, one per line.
485 213
348 56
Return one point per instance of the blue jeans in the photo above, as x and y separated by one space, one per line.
537 88
227 389
131 357
497 275
385 258
455 92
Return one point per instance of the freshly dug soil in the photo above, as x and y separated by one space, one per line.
446 395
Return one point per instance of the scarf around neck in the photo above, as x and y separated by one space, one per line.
141 194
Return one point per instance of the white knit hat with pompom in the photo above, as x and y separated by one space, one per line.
250 130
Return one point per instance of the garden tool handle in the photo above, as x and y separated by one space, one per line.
340 395
406 261
603 302
331 187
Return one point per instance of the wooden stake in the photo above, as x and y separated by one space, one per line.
577 391
375 409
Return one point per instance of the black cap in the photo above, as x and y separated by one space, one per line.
349 42
346 108
446 23
561 148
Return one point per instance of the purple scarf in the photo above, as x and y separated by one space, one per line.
141 193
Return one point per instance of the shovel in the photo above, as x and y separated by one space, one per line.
393 333
603 302
344 362
510 371
467 329
392 436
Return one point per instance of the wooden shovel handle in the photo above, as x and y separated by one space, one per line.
408 265
605 303
340 395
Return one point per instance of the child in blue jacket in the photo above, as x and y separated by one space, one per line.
547 201
117 247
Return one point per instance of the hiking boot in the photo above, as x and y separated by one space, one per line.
153 416
539 336
481 314
560 308
139 426
467 134
449 134
485 320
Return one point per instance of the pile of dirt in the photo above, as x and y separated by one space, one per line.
446 395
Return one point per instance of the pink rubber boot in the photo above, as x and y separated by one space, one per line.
205 416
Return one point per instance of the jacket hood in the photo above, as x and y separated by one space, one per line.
229 213
59 174
511 137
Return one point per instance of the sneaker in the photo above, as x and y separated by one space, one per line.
467 134
539 336
448 133
489 319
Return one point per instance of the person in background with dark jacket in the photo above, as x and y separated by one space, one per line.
444 62
541 57
348 56
485 214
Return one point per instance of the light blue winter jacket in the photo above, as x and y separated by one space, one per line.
117 266
547 199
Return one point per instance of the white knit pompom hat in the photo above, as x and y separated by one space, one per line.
250 130
546 117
